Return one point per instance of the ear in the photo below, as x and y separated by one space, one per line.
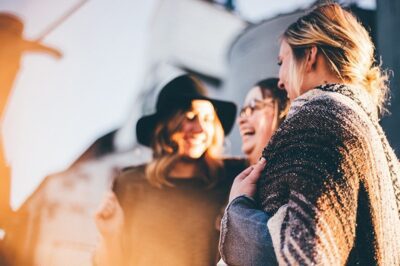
311 58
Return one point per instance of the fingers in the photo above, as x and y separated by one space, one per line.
246 182
256 173
108 207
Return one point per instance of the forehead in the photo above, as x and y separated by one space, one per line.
202 106
253 94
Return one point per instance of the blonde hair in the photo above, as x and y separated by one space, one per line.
166 152
345 44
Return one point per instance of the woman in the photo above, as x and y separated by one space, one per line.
265 107
164 213
330 190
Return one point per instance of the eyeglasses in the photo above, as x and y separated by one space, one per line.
254 105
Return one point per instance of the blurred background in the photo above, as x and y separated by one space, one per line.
69 123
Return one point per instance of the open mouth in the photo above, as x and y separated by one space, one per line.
248 132
196 141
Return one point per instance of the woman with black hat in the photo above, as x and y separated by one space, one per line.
164 212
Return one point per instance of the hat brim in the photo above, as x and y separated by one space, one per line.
225 110
145 127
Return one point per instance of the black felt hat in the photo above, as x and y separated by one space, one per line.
176 95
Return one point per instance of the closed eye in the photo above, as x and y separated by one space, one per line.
190 116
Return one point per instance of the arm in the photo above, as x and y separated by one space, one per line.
318 231
109 252
245 239
109 220
114 217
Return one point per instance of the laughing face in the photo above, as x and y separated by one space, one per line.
256 123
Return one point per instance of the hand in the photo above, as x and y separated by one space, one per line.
109 217
246 182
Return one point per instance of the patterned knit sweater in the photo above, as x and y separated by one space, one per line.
332 183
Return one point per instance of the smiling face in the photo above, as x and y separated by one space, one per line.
286 66
256 123
197 130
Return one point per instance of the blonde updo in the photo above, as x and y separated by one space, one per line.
346 45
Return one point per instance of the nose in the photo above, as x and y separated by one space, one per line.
241 119
197 126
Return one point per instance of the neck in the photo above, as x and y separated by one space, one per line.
253 157
185 168
321 80
319 75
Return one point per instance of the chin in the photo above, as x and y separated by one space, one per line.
247 150
195 154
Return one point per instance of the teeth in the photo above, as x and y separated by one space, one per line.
196 140
248 132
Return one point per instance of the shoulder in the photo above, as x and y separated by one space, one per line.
129 177
324 113
348 105
327 103
322 131
132 173
133 170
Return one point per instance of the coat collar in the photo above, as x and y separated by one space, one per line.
360 96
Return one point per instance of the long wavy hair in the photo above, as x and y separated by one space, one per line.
346 46
166 152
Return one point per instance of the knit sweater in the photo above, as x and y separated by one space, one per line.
332 183
173 225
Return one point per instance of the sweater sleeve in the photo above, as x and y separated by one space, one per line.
310 187
127 187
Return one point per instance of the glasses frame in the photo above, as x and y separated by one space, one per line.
255 105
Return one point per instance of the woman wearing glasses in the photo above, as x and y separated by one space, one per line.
264 110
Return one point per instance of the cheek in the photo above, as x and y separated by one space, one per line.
210 133
258 120
253 118
185 127
261 128
264 124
